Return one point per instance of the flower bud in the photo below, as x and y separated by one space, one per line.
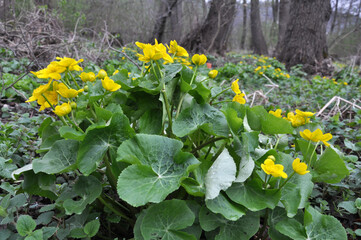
73 105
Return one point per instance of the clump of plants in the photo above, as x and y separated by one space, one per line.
160 153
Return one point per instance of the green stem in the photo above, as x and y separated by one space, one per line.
89 120
74 124
220 150
184 94
314 150
112 179
264 227
72 77
278 140
207 143
112 208
284 183
77 126
51 105
155 73
166 103
213 98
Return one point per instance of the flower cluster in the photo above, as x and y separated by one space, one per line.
298 119
153 52
316 136
59 87
239 95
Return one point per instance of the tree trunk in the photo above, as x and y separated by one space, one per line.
305 37
244 25
165 11
213 34
334 18
348 14
283 18
273 29
258 42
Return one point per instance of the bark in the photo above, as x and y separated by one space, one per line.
334 18
305 37
165 11
273 29
175 26
258 42
348 14
213 34
284 16
244 25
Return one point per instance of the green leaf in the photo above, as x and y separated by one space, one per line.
235 114
70 133
48 232
36 235
307 148
164 220
96 91
259 119
323 226
193 187
223 205
329 168
246 167
209 221
251 195
204 117
97 142
151 122
25 225
39 184
201 94
243 228
349 206
91 228
220 175
159 168
84 191
276 215
358 203
61 158
292 228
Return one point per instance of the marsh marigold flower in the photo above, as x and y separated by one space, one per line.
213 73
316 136
179 51
70 63
52 71
102 74
299 167
239 98
199 59
110 85
65 92
270 168
276 113
63 109
87 77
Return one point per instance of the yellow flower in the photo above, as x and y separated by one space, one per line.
270 168
213 73
38 91
345 83
301 118
102 74
298 167
70 63
276 113
177 50
316 136
115 72
85 77
304 114
64 91
63 109
110 85
258 68
235 87
199 59
239 98
150 53
52 71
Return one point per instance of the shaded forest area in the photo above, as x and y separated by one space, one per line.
215 27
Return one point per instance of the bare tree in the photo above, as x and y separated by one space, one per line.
284 15
165 11
244 25
258 42
334 17
213 34
305 37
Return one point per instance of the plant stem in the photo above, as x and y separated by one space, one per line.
112 208
71 75
314 150
112 179
74 124
263 229
220 150
284 183
167 108
51 105
184 94
278 140
213 98
207 143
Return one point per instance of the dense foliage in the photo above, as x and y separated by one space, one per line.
160 146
